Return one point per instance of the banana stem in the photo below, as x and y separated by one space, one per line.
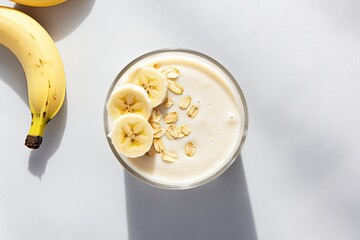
34 138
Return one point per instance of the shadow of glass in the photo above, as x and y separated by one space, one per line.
51 141
220 209
62 19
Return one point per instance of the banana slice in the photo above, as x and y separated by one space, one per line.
129 98
131 135
152 81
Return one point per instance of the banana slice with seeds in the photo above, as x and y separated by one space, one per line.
131 135
129 98
152 81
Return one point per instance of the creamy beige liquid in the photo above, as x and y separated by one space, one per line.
217 129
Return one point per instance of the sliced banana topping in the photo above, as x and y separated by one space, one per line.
131 135
129 98
137 127
152 81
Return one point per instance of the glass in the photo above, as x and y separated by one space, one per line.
227 163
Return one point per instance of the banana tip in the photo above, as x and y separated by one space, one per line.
33 142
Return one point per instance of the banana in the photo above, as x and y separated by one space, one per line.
152 81
129 98
39 3
131 135
43 68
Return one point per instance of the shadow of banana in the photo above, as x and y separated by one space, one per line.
60 20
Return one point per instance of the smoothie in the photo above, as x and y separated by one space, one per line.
210 110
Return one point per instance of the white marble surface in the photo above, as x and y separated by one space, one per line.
298 177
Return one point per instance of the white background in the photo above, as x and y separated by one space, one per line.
298 177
